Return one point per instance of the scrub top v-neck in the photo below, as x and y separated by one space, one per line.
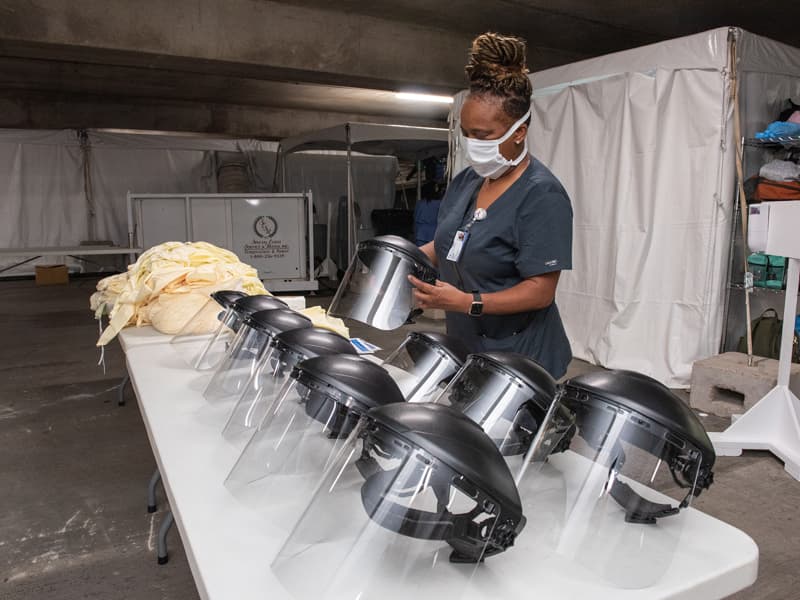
527 232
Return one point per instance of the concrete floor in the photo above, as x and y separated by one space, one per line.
74 466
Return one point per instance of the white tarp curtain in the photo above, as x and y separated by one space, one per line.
42 191
325 174
642 141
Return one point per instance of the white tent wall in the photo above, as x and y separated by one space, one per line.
156 171
161 164
643 142
42 193
38 206
651 193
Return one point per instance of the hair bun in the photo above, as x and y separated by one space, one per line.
497 65
497 52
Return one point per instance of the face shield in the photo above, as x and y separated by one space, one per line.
248 348
617 459
418 497
375 289
196 333
204 351
507 394
424 363
288 350
207 318
316 409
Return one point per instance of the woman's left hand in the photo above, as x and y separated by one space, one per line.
440 295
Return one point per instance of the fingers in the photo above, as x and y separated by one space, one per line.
420 285
422 299
439 295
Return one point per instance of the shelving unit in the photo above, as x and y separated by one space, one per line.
761 298
755 290
789 142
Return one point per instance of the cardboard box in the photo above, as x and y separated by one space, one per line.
52 275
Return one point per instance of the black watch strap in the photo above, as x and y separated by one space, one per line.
476 308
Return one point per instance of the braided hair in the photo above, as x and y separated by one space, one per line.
497 68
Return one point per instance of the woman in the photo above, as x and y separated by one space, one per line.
504 232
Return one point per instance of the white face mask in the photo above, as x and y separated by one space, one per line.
484 155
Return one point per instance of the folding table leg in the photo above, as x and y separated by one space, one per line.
152 504
121 390
166 525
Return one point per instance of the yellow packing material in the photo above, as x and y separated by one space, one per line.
169 313
320 318
163 286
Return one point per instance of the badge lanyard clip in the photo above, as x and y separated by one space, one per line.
462 235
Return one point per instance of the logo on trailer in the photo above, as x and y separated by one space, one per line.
265 226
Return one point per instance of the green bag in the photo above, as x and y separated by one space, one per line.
766 335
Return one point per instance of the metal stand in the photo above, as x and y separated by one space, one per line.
773 423
166 525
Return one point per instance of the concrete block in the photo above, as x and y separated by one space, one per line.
724 385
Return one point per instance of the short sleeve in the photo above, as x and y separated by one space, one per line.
544 235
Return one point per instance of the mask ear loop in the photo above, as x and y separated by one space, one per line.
518 142
512 131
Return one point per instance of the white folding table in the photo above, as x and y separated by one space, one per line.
229 545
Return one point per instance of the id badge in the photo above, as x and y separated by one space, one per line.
460 238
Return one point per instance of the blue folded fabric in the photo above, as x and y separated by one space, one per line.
778 129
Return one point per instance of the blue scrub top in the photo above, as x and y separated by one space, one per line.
527 232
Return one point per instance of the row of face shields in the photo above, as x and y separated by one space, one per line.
414 473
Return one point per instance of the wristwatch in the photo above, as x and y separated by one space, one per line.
476 308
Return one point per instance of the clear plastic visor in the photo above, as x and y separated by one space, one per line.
291 448
503 405
375 289
239 364
383 523
205 339
420 370
608 487
260 392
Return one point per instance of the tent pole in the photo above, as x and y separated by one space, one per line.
350 203
737 127
86 153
